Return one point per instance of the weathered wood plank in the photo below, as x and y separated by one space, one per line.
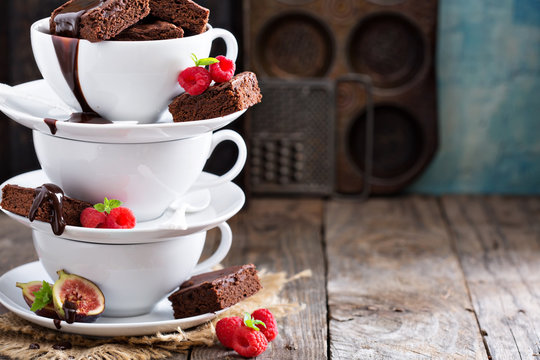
395 288
284 235
498 243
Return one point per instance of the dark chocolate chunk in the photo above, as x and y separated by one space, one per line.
64 345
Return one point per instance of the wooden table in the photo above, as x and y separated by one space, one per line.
393 278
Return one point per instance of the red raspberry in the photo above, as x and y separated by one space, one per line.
120 218
225 329
248 342
91 218
270 331
223 70
195 80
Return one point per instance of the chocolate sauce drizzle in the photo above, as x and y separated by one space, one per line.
79 118
67 53
88 118
66 45
70 310
55 196
68 19
51 123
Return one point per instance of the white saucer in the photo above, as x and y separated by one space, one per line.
226 201
159 319
120 132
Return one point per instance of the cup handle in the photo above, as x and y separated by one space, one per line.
230 42
217 138
220 253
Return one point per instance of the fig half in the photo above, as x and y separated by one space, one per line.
76 298
28 290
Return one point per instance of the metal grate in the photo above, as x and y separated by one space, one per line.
292 138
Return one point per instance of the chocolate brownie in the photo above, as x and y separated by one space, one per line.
19 200
157 30
239 93
184 13
214 291
97 20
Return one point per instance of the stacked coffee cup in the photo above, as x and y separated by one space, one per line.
153 165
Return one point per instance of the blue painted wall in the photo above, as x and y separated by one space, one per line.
489 99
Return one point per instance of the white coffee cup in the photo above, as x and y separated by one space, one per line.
145 177
126 80
132 277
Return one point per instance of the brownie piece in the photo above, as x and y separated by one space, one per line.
18 200
184 13
97 20
157 30
214 291
239 93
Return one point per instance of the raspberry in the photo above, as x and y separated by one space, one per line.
270 331
248 342
120 218
225 329
223 70
91 218
195 80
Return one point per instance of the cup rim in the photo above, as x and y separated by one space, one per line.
35 28
202 233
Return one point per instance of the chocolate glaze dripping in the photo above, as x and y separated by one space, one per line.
67 53
68 19
88 118
79 118
55 196
70 310
51 123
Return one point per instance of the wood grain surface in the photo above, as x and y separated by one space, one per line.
395 288
393 278
284 235
498 243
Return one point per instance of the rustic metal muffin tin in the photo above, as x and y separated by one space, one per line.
392 41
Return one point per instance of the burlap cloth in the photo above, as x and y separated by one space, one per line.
16 334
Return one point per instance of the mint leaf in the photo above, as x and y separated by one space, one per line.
107 205
250 322
43 297
114 203
203 62
207 61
